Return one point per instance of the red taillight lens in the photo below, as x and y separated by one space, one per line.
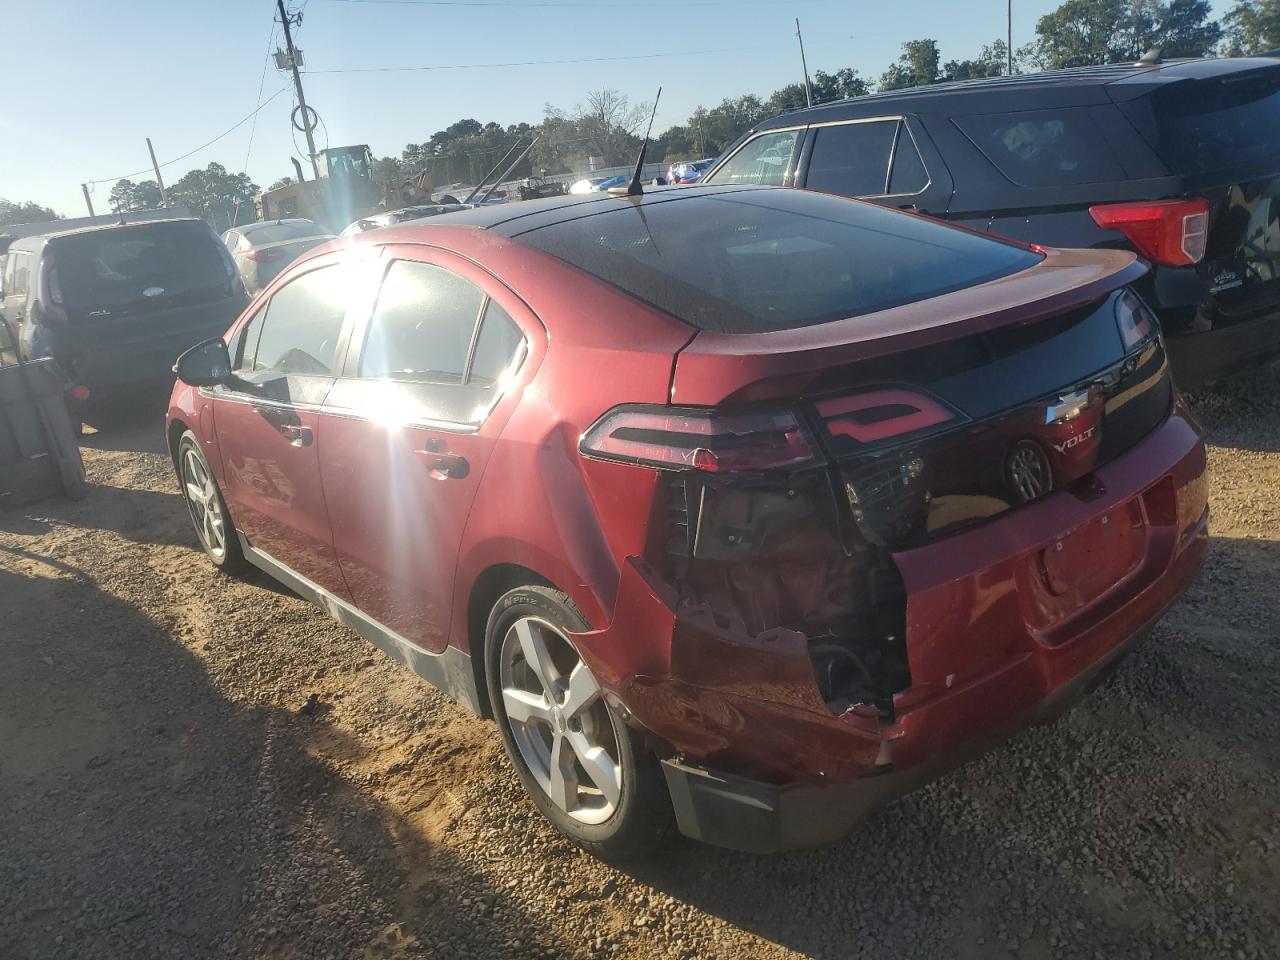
80 392
1170 232
260 256
1136 322
672 438
881 414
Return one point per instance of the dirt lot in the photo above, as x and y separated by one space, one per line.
194 766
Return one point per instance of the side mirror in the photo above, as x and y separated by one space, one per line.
206 364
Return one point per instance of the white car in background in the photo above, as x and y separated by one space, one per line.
262 250
392 217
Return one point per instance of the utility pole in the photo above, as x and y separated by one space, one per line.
808 91
1009 35
286 22
87 202
164 197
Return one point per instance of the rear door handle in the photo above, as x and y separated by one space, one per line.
442 465
446 466
299 436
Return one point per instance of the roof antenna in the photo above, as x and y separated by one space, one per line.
503 176
636 188
1151 57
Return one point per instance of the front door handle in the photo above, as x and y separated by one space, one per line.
298 436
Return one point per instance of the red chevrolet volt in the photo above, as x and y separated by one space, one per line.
739 509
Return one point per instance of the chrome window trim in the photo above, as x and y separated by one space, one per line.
902 124
893 155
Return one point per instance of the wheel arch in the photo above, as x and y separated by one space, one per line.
491 584
177 427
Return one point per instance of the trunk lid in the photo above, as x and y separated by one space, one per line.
943 413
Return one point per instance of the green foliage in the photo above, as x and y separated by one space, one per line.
25 212
1252 26
463 152
918 66
1085 32
224 199
992 61
1185 30
844 84
127 195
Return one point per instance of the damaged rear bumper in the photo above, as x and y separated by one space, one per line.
744 814
1006 625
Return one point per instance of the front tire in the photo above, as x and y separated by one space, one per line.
585 770
214 529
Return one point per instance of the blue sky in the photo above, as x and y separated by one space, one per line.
90 79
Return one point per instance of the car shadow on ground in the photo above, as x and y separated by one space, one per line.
1143 816
144 814
133 425
143 516
1241 412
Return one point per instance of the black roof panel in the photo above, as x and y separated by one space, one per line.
1033 84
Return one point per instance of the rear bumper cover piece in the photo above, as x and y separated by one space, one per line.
744 814
999 635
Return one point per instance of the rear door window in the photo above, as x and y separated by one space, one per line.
852 159
497 347
422 325
909 175
302 324
1044 148
763 160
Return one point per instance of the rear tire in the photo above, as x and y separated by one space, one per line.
563 738
209 515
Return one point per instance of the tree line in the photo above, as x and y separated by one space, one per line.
606 127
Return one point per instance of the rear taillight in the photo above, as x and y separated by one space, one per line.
879 415
50 291
261 256
673 438
1169 232
1136 322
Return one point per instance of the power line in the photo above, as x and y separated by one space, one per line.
540 63
236 126
262 81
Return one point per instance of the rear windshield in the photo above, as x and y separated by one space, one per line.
1206 124
275 232
761 260
115 266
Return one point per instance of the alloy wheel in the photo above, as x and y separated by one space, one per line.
559 721
203 502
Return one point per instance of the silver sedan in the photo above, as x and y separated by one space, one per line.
262 250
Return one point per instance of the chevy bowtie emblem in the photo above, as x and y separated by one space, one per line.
1068 407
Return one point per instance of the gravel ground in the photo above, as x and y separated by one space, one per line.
196 766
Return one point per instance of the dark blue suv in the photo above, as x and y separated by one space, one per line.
1179 161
